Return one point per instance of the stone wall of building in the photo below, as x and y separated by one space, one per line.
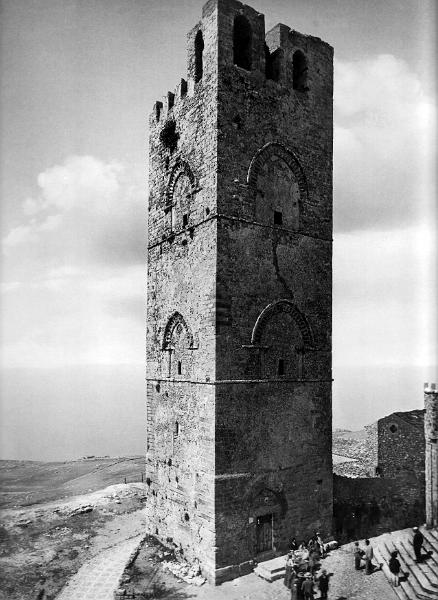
364 507
395 497
181 292
240 293
401 445
273 433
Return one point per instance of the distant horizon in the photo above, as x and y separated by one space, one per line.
79 80
109 418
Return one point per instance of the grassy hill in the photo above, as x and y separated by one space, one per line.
29 482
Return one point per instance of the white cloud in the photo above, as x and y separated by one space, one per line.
73 268
384 297
87 211
384 139
80 180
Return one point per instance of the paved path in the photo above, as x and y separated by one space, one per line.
99 577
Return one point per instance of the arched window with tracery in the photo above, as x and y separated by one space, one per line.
199 58
283 335
300 71
278 186
178 343
179 194
242 42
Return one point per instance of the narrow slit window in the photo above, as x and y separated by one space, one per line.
278 217
199 49
179 367
176 429
242 43
185 220
281 366
300 71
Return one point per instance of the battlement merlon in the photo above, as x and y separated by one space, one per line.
430 388
212 40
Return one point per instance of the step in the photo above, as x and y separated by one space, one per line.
425 567
431 539
400 590
409 586
417 579
269 575
272 569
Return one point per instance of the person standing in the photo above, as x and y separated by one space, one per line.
313 561
323 583
369 555
358 553
289 569
394 567
300 581
320 544
293 544
294 589
307 587
417 543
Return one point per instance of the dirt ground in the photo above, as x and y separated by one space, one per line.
46 533
42 544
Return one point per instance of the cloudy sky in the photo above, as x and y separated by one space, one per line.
79 78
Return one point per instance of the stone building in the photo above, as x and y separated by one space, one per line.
400 446
393 497
239 294
431 463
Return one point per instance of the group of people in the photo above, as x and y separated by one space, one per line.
366 555
301 565
303 561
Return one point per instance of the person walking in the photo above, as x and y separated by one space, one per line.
394 567
417 543
323 583
357 553
307 587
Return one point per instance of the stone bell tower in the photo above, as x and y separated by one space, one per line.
431 467
240 293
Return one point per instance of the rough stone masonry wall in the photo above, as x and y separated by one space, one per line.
229 438
181 307
401 457
269 445
365 507
431 435
273 432
401 449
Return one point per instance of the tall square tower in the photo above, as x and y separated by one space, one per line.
240 294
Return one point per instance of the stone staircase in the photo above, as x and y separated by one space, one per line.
422 578
272 569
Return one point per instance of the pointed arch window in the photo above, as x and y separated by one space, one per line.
242 42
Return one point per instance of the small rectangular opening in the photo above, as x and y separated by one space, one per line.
179 367
185 220
278 217
281 366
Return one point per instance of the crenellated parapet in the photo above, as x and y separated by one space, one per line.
232 34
